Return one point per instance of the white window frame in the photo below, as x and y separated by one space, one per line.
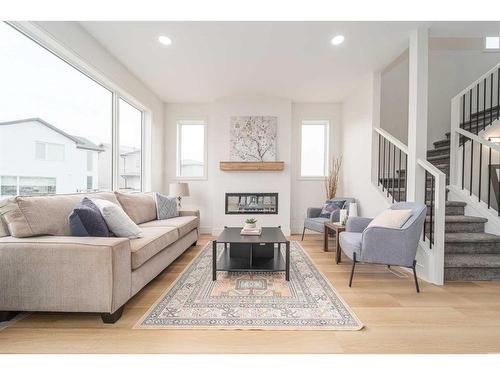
45 146
179 124
326 161
490 49
45 40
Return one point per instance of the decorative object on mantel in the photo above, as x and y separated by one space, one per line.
332 179
252 166
253 138
179 190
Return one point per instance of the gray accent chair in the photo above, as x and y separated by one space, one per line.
315 223
377 245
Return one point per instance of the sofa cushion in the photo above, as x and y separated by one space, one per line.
184 224
6 205
140 207
117 220
166 207
46 215
86 220
389 218
154 240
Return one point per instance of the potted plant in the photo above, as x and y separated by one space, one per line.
250 223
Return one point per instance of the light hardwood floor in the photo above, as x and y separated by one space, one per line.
457 318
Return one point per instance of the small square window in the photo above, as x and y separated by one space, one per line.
492 42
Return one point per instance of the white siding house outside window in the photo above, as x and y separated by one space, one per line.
191 149
314 149
56 125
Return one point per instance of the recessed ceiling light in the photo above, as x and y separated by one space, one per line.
337 39
165 40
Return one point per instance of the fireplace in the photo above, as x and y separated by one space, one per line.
252 203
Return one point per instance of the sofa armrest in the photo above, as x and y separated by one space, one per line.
189 213
62 273
357 224
313 212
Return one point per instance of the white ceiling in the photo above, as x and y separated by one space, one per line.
294 60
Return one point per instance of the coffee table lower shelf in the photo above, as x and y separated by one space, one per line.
247 264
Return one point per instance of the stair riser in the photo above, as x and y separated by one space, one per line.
439 152
453 211
471 274
464 227
472 248
442 159
442 143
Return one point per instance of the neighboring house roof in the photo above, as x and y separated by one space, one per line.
81 142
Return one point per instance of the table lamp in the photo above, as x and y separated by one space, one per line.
179 190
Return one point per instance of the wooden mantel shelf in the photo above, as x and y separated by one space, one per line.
252 166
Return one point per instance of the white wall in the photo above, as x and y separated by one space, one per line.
356 149
307 192
394 98
76 39
295 195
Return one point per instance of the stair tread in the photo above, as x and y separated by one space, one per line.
471 238
472 261
462 219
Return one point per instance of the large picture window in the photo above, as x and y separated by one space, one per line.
56 123
314 149
191 149
130 166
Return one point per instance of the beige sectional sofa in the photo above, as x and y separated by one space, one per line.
42 268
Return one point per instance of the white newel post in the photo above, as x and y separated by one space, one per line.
417 112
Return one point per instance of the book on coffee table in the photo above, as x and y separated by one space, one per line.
251 232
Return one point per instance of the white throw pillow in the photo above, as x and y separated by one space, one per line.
117 220
391 219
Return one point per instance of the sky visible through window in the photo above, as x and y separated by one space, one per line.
36 83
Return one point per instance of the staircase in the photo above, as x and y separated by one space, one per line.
470 253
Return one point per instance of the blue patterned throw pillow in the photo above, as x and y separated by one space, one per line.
166 207
86 220
331 206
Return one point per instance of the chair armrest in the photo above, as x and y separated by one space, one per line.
357 224
387 246
313 212
189 213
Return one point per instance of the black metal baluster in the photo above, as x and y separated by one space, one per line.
480 167
383 168
498 95
489 173
477 111
484 105
388 168
406 177
378 167
425 200
471 163
393 170
399 177
432 212
491 98
461 136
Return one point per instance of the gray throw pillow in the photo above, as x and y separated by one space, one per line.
331 206
86 220
166 207
117 220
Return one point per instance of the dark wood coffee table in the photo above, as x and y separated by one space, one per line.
251 253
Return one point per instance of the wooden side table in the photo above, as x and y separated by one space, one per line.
337 228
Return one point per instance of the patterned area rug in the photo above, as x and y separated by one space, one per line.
262 301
